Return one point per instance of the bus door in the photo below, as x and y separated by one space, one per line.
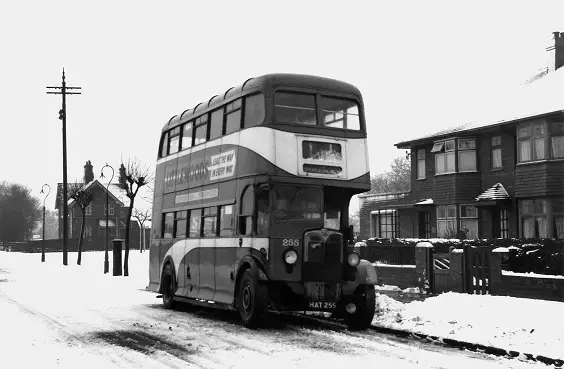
225 246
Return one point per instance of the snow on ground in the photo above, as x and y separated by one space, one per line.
77 317
523 325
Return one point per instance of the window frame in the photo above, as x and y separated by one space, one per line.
420 156
198 123
469 218
496 147
178 218
532 136
209 212
447 218
453 148
503 223
244 112
229 109
182 130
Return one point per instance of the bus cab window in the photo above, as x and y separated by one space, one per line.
332 218
297 203
263 217
295 108
340 113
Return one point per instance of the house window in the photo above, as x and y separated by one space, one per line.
89 209
557 140
180 220
424 225
421 164
534 222
532 142
195 223
168 225
503 224
88 230
469 221
496 152
111 206
210 222
467 155
444 157
446 221
385 223
558 217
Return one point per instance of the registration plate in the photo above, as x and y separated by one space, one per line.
322 305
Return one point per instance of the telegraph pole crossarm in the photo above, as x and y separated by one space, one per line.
62 90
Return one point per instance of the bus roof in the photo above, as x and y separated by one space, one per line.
261 83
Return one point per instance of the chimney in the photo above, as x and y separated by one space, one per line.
556 51
88 173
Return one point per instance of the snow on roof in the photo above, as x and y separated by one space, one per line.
496 192
425 202
541 96
117 193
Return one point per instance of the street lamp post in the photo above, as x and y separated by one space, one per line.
43 237
106 261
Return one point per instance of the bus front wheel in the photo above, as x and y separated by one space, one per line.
365 309
169 283
250 299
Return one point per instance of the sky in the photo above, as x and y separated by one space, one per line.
421 67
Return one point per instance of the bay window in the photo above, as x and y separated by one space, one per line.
532 142
469 221
534 222
557 140
446 221
448 152
385 223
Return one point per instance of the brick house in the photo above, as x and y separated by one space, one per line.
500 177
95 225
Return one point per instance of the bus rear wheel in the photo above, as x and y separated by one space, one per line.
250 299
169 283
365 309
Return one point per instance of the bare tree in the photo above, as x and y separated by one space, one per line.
82 197
398 179
131 179
142 216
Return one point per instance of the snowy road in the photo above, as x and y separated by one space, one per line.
50 320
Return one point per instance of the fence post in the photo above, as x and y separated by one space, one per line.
423 265
456 275
496 282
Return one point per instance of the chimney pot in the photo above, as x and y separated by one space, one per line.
88 172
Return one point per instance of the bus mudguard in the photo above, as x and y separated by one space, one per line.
168 259
365 273
255 264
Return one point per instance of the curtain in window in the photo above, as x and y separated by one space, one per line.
539 144
525 150
496 158
439 163
420 168
528 227
559 227
450 158
467 160
558 147
543 227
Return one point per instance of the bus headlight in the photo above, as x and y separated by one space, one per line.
290 257
353 259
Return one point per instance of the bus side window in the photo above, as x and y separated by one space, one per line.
164 145
168 225
254 110
233 117
210 222
195 221
226 221
246 212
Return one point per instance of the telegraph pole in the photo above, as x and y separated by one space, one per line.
62 90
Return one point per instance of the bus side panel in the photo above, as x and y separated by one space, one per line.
192 263
207 269
154 265
224 259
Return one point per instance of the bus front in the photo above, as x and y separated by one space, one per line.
320 140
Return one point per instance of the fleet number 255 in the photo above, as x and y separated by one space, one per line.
290 242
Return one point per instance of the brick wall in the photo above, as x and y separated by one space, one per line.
396 275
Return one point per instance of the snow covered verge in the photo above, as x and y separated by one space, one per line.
510 323
523 325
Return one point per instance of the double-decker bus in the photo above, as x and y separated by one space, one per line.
251 201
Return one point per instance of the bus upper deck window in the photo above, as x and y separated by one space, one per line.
255 111
295 108
340 113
